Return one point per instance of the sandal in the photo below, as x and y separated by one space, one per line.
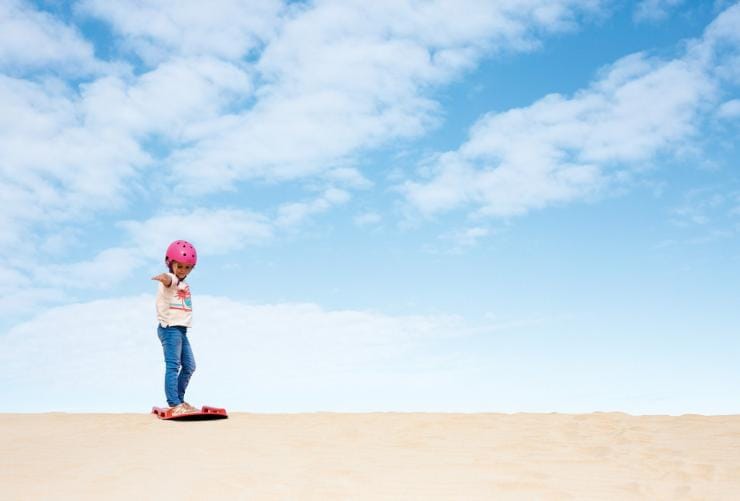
181 409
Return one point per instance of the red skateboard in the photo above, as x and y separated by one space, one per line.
204 413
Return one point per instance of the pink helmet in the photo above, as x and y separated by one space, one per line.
182 252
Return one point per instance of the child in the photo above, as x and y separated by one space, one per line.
174 311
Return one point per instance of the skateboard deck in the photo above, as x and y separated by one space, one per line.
205 413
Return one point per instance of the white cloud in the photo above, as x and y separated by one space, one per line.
705 216
342 77
654 10
213 231
729 109
248 356
54 167
234 91
23 301
458 241
293 213
34 40
220 231
332 79
217 231
158 29
348 176
32 281
174 100
561 149
699 207
723 29
368 218
108 268
468 237
719 49
17 295
67 155
304 358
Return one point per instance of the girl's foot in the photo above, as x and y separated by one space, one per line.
181 409
194 409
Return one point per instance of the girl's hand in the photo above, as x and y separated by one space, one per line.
164 278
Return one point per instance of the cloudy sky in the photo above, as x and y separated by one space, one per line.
398 205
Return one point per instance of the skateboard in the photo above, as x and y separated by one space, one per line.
205 413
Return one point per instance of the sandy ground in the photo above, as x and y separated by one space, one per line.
370 456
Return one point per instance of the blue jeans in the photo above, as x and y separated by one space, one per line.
179 362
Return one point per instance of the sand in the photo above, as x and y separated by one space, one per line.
381 456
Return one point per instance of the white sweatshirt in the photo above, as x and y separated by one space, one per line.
174 306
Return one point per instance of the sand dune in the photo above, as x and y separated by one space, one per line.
370 456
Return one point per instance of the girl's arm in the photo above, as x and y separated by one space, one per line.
164 278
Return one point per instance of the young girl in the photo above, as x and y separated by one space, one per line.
174 311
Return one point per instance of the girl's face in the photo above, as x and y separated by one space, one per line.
181 270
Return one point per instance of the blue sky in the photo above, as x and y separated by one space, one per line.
415 206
